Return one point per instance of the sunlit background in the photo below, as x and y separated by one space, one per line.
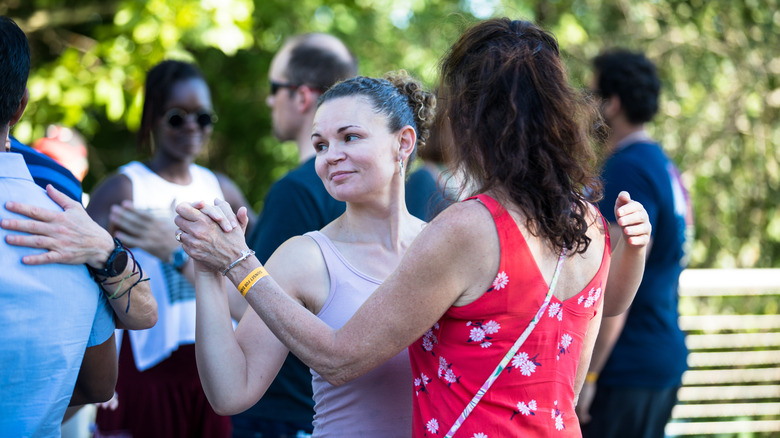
718 60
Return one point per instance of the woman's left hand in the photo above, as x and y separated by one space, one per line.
211 234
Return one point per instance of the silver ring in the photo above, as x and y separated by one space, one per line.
178 236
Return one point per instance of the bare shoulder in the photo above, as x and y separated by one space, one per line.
299 268
113 190
461 242
467 220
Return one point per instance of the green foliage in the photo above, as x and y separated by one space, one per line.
718 120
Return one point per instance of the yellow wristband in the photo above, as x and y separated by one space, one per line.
250 280
591 377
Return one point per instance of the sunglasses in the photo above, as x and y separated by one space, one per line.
276 86
176 118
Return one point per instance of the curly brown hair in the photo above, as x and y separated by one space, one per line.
520 129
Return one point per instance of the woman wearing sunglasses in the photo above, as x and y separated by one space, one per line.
158 391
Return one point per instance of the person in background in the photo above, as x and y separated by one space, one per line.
476 278
431 187
45 170
640 356
67 147
158 390
300 72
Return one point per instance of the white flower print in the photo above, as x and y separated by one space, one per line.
420 383
442 366
479 435
557 416
593 296
481 330
563 346
450 376
433 426
525 409
566 340
527 368
477 334
519 358
526 363
429 339
555 311
446 372
501 281
491 327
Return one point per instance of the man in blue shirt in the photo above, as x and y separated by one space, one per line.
56 326
300 72
640 356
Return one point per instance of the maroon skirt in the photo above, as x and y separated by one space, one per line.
166 400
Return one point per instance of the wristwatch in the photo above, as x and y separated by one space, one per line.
179 258
116 263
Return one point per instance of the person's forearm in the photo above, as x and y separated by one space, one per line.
337 359
222 364
131 299
610 330
625 275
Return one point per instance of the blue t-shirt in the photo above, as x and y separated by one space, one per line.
651 352
296 204
45 170
424 198
49 315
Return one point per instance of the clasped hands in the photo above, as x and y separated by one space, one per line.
212 235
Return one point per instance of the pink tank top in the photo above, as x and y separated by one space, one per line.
377 404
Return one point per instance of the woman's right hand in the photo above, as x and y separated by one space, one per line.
211 234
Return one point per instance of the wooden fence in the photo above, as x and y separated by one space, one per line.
732 387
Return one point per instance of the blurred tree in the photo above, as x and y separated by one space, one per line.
718 60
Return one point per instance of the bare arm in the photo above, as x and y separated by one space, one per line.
630 241
71 237
236 368
460 246
97 375
608 334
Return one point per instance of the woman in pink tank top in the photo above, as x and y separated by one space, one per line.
526 260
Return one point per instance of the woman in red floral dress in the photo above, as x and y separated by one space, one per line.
477 276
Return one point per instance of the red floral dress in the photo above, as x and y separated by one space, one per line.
534 395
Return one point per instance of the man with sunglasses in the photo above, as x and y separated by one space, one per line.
300 72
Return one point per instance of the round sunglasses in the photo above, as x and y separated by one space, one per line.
176 117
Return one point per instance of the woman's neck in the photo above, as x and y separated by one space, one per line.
390 226
177 172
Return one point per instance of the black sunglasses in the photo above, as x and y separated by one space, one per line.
176 118
276 86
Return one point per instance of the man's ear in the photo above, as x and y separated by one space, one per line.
307 98
612 107
20 110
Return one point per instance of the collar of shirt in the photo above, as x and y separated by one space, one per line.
12 165
634 137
